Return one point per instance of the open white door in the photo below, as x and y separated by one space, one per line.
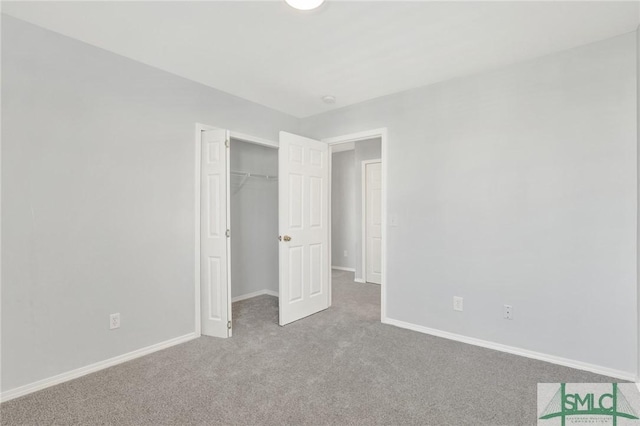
303 181
373 221
214 238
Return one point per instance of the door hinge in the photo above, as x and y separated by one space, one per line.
229 325
228 233
226 143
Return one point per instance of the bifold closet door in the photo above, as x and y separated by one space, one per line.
214 242
303 181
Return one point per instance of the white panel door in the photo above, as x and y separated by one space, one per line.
214 244
373 220
303 209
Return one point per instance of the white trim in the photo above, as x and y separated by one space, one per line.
329 223
358 136
92 368
579 365
253 139
359 280
363 211
227 153
342 268
381 133
385 168
254 294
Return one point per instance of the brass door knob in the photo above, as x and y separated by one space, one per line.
287 238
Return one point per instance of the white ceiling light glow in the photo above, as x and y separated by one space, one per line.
304 4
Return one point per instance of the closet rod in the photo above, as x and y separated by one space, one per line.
253 175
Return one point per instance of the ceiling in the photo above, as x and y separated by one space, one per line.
268 53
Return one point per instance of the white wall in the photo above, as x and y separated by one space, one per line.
516 186
98 200
254 220
344 221
364 150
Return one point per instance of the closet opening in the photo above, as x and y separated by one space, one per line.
253 188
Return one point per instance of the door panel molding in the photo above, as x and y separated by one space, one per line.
367 250
213 306
303 179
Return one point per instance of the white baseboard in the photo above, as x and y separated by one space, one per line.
360 280
342 268
254 294
92 368
618 374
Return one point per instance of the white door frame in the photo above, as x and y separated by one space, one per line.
254 139
364 213
198 154
354 137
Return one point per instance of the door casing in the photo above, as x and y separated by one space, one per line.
199 128
355 137
347 138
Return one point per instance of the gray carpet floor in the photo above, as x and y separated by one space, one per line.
340 366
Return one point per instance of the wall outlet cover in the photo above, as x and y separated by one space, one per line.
457 303
508 312
114 321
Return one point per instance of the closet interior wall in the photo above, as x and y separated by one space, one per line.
254 219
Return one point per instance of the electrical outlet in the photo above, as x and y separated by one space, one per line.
345 253
508 312
457 303
114 321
